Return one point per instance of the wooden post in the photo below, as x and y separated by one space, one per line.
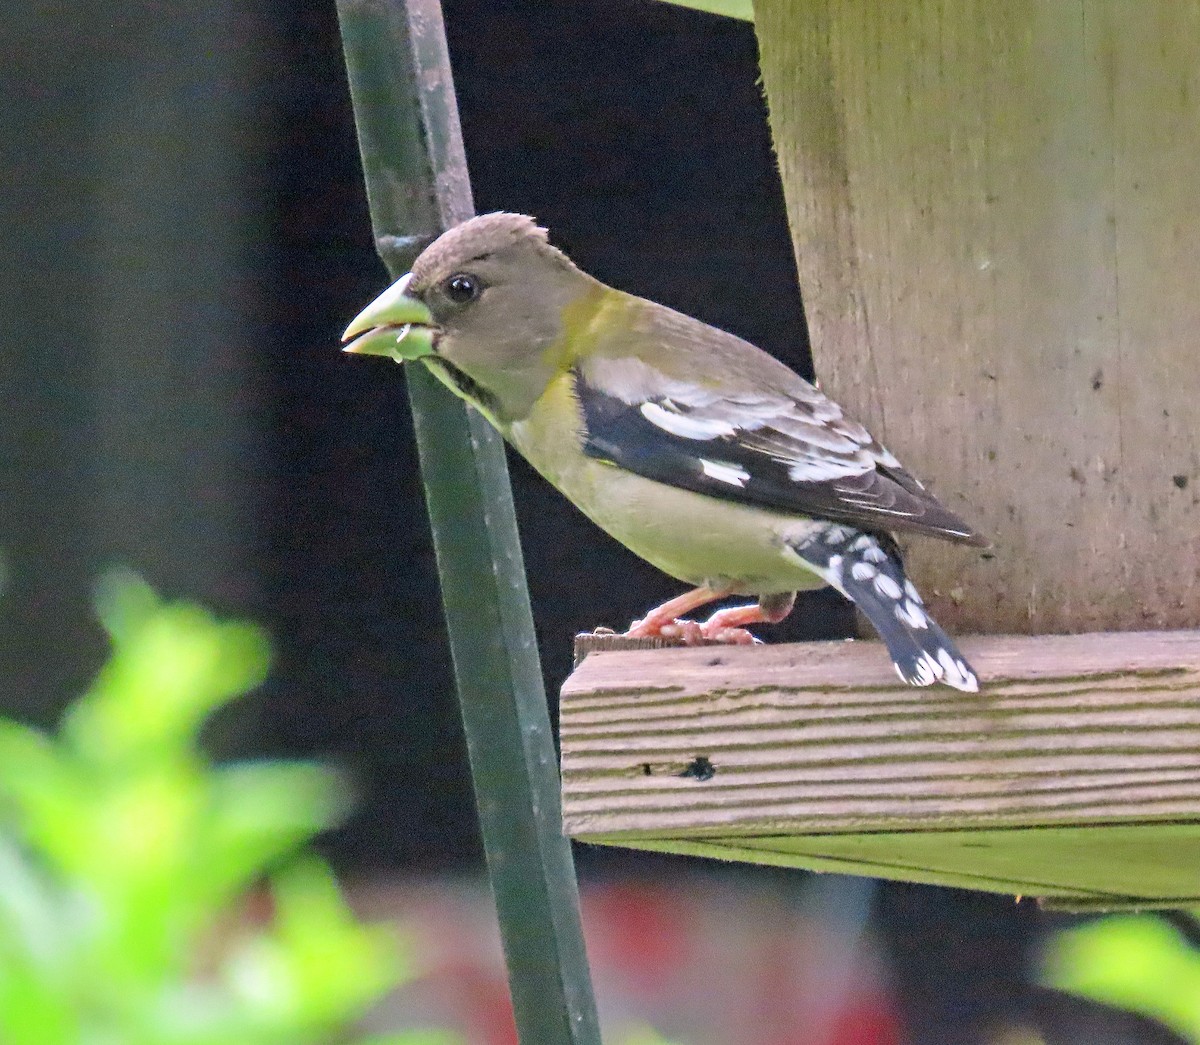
994 212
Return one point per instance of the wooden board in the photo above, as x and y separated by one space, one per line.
1074 774
994 214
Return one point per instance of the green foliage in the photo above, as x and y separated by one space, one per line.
128 862
1131 962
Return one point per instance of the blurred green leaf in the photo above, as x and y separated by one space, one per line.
1132 962
333 961
123 602
125 858
31 968
260 811
33 779
172 666
28 914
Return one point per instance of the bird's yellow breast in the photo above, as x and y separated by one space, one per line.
696 538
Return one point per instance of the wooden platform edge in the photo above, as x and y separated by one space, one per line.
701 751
1055 899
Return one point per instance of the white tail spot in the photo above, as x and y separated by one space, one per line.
887 587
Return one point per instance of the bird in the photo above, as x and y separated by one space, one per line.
695 449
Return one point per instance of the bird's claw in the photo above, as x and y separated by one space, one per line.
732 637
689 632
694 633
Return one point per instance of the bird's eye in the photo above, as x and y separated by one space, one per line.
462 288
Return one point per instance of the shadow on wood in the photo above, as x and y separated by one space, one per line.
1074 775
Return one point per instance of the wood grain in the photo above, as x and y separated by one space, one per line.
994 217
816 755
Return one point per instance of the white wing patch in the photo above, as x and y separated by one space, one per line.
725 473
818 470
684 426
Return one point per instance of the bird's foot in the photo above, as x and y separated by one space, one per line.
691 633
666 621
677 629
688 632
726 636
725 627
728 625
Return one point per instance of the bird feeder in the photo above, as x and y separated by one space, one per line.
993 215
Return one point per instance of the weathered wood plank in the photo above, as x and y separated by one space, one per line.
994 217
816 755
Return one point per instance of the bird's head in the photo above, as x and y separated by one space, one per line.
488 299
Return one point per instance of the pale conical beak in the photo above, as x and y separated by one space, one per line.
395 324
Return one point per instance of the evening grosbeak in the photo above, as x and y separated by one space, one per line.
697 451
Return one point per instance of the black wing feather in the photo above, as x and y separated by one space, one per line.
756 464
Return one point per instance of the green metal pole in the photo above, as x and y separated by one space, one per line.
417 184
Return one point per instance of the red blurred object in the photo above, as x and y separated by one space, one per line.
639 931
701 963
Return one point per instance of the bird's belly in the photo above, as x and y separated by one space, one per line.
695 538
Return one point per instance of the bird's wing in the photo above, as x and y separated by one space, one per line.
793 451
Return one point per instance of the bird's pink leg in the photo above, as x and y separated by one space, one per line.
725 626
665 620
729 626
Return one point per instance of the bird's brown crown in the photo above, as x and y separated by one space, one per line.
478 238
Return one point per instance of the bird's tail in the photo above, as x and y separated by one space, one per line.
868 570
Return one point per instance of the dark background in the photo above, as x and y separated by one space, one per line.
186 238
